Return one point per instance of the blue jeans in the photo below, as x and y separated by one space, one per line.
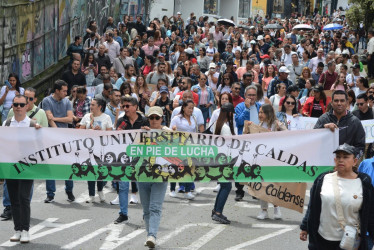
152 196
187 186
4 114
91 187
362 40
51 187
205 112
222 195
6 199
123 196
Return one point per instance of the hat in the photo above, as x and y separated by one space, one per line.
267 37
178 13
212 65
345 53
161 55
228 107
346 148
260 37
355 66
229 61
318 88
320 49
189 51
265 56
252 42
155 110
193 61
252 27
284 69
164 89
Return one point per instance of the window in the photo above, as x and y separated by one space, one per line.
211 7
244 8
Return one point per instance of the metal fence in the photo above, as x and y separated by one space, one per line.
35 34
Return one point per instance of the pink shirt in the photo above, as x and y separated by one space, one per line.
148 51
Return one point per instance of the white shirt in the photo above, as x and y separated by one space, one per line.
196 112
351 199
214 118
287 59
10 96
22 124
371 46
183 125
113 50
104 121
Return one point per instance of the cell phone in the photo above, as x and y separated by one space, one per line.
7 83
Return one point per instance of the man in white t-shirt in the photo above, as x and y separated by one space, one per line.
212 76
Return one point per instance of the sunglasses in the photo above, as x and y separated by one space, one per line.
370 92
154 117
360 104
237 88
226 78
204 79
30 99
16 104
127 106
290 103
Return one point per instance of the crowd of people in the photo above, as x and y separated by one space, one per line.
193 76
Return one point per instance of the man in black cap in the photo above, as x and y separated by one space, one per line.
350 128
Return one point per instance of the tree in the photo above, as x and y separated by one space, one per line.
361 11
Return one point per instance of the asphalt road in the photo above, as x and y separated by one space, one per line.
184 225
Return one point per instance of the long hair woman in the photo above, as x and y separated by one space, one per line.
223 126
8 92
288 114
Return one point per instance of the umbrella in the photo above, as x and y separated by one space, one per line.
333 26
227 22
273 26
246 27
302 27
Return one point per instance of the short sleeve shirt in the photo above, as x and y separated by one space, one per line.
58 108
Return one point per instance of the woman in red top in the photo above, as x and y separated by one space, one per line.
316 105
148 66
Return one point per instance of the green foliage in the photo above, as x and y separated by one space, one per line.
361 11
355 16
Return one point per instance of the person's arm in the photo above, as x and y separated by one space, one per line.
50 119
241 115
153 102
4 92
66 119
201 128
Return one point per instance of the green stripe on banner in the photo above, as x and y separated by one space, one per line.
254 173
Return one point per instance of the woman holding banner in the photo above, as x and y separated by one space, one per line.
288 114
152 194
268 120
96 120
340 211
223 126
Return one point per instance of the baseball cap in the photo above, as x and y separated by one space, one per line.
189 51
345 53
212 65
284 69
155 110
252 27
164 89
260 37
346 148
265 56
178 13
253 42
318 88
355 66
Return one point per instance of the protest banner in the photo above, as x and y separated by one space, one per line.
156 156
91 91
251 128
369 130
288 195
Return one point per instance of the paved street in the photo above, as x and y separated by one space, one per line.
184 225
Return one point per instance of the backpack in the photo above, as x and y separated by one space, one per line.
8 121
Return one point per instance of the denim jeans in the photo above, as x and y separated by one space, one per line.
51 187
91 187
362 40
205 112
152 196
222 195
123 196
19 194
187 186
6 199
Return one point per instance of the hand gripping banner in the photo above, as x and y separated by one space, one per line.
157 156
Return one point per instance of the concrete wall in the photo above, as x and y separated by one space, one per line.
159 8
35 34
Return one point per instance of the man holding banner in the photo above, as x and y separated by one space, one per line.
20 190
351 130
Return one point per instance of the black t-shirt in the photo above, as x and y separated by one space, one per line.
364 116
317 109
71 79
123 123
167 114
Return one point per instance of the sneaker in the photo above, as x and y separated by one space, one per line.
173 194
7 214
277 213
220 218
121 218
49 199
217 188
189 196
263 215
25 237
16 237
181 189
115 201
101 196
214 212
71 197
239 197
133 199
151 242
90 199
